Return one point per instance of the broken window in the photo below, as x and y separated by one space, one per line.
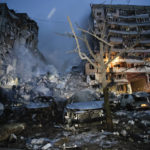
92 77
120 87
100 21
119 76
145 19
111 10
98 13
96 86
91 66
118 65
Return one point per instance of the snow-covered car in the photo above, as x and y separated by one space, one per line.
138 100
142 100
81 112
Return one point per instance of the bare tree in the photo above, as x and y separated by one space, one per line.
98 62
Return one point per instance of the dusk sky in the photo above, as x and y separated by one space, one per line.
51 16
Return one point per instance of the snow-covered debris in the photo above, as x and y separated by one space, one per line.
93 138
53 78
42 90
146 123
123 133
121 113
131 122
84 95
86 105
115 121
61 85
47 146
38 143
116 133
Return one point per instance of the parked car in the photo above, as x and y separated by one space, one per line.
81 112
142 100
136 101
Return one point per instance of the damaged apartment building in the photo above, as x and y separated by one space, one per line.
124 25
18 34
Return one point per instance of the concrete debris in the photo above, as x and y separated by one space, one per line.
7 130
37 144
121 113
123 133
116 133
42 90
146 123
115 121
45 147
131 122
13 137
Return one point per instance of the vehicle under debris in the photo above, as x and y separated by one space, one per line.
136 101
84 112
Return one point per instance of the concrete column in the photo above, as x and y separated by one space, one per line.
129 88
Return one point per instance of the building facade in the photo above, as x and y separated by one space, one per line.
123 26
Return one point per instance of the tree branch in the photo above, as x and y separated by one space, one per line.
94 35
70 35
89 48
82 55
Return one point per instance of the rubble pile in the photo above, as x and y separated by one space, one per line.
41 95
133 125
131 131
49 84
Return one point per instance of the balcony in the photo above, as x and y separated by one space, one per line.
119 40
131 70
133 50
129 24
145 32
146 41
129 60
128 17
123 80
116 40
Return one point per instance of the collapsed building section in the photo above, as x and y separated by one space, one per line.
123 26
18 42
